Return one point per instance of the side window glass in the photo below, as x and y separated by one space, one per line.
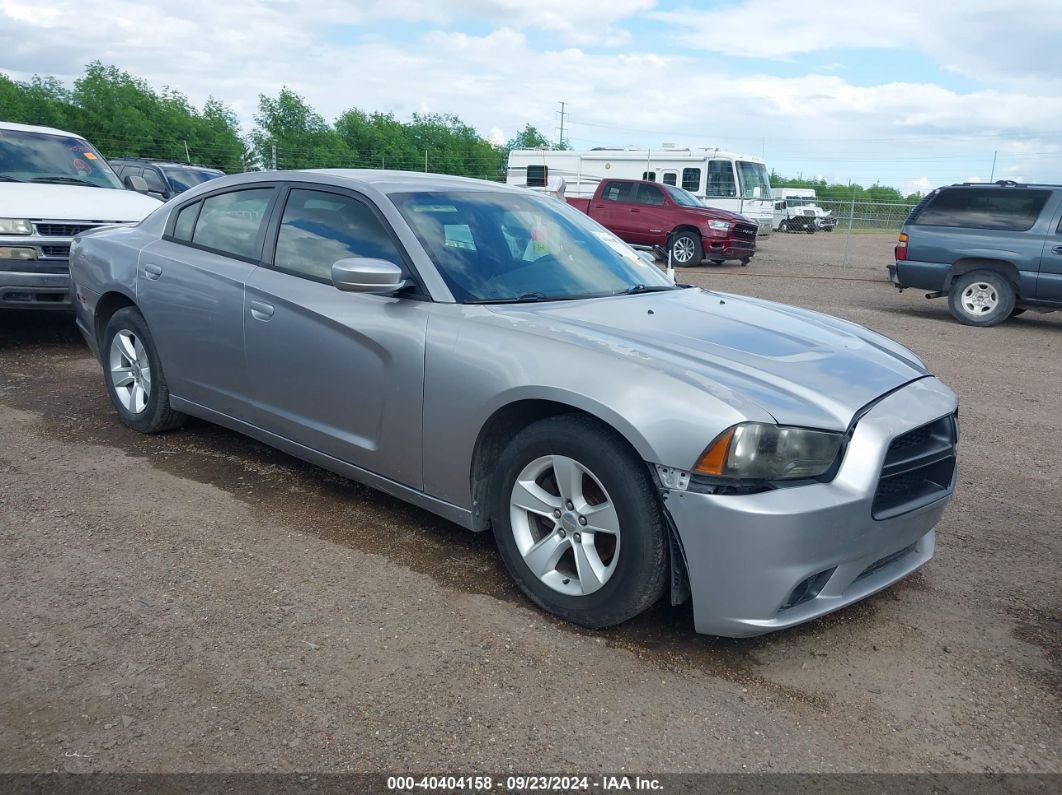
670 178
320 228
721 179
618 192
649 175
185 223
1011 209
229 222
691 179
650 194
154 183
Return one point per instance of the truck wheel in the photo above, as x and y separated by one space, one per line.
811 228
578 523
783 226
686 249
981 298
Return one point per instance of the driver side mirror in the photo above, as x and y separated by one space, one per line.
366 275
135 182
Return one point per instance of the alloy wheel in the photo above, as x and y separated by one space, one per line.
980 298
130 371
565 525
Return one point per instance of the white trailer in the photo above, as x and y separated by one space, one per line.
723 180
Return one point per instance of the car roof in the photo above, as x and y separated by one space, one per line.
1003 184
167 163
377 179
10 125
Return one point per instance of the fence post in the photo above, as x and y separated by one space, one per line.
848 239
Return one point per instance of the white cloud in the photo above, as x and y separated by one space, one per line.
984 39
921 185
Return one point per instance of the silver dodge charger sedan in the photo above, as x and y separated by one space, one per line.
497 358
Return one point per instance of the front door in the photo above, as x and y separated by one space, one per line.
1049 280
339 372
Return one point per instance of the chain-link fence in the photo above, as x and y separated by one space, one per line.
880 216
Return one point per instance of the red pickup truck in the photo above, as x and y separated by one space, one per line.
651 214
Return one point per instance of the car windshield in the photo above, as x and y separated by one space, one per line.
682 197
62 159
184 178
753 176
510 247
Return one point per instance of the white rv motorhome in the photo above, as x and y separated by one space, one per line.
724 180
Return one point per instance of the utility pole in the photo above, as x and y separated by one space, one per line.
992 176
273 161
425 161
560 141
187 157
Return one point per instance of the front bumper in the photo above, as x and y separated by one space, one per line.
28 290
748 556
716 248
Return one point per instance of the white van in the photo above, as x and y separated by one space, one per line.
723 180
53 185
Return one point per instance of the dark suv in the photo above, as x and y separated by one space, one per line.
164 179
994 250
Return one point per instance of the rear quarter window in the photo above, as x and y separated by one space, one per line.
1010 209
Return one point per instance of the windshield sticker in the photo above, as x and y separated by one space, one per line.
621 248
459 236
434 208
81 165
89 156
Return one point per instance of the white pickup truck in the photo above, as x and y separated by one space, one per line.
795 210
54 185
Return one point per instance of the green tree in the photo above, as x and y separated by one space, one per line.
301 136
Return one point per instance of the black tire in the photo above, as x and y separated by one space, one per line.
745 262
156 415
641 571
694 242
783 226
995 287
811 228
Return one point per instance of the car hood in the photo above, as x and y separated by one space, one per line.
73 203
801 367
717 215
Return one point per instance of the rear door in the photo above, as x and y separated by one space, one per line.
1049 280
339 372
190 289
612 208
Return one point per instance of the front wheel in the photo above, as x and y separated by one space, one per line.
981 298
577 522
686 249
133 374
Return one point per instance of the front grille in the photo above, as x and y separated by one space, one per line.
56 252
919 468
746 231
63 229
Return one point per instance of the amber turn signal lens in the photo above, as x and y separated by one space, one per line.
713 459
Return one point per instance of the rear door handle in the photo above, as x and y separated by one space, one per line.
261 311
1057 250
152 271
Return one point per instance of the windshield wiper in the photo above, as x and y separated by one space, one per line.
634 289
523 298
65 181
5 178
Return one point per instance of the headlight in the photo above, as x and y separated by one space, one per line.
15 226
22 253
722 226
761 451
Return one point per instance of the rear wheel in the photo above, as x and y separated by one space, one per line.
981 298
783 226
577 522
133 374
686 249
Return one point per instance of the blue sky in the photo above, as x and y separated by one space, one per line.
910 93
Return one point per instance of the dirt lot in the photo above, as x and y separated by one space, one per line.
199 602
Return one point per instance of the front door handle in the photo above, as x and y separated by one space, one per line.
1057 250
152 271
261 311
635 210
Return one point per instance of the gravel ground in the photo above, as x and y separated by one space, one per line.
198 602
